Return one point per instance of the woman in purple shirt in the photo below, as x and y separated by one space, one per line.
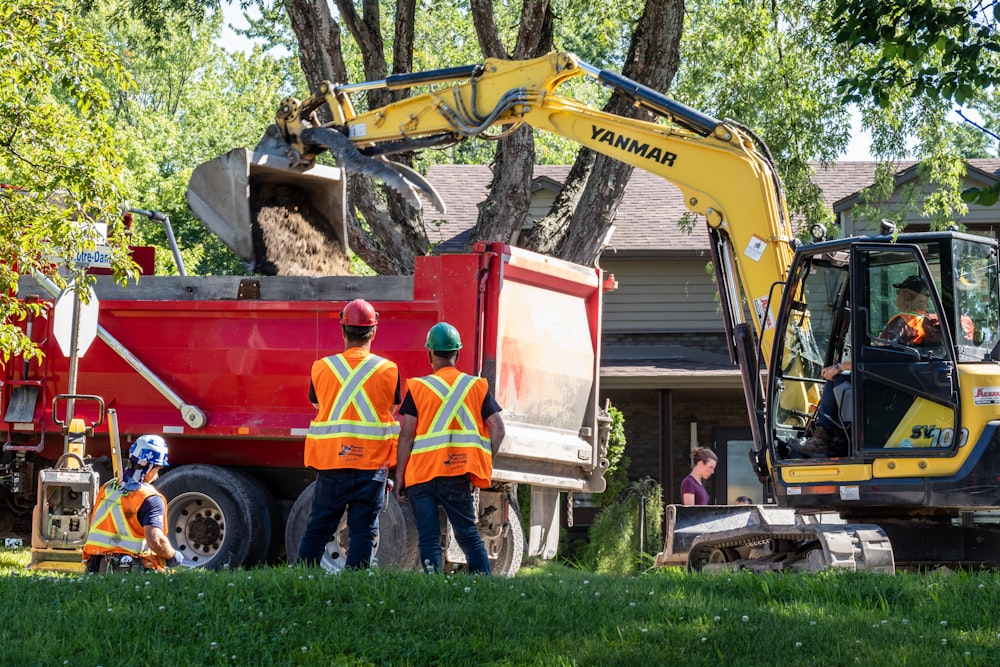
692 489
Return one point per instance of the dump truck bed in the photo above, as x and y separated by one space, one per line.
239 350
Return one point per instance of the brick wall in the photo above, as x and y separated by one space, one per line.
717 408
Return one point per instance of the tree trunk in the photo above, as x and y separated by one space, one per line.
383 230
582 214
506 207
389 236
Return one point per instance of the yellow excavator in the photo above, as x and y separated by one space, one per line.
913 476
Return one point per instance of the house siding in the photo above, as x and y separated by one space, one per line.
669 295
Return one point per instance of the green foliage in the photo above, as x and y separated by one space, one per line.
920 60
941 50
767 66
57 150
614 538
194 102
616 475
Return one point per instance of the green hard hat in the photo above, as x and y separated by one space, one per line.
443 337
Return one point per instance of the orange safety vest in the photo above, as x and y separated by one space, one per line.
905 329
354 427
115 527
451 437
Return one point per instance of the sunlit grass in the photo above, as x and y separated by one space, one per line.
547 615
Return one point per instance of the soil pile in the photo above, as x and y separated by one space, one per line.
291 238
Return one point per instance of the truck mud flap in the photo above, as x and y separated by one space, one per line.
21 407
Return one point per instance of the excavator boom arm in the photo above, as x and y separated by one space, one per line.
722 170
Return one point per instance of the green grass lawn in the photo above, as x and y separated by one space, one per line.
548 615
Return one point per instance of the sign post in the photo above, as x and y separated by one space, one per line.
75 328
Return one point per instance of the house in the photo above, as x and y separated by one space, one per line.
665 362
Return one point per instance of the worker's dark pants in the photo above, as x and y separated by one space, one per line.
828 414
454 495
337 491
118 563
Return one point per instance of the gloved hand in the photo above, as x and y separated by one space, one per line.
177 560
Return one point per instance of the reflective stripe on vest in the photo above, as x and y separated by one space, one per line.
111 529
351 393
453 408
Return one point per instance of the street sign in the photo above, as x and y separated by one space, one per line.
99 257
64 322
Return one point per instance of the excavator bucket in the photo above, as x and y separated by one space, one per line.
685 523
278 219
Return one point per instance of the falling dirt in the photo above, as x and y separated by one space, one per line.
291 238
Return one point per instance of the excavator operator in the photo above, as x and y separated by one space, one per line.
835 413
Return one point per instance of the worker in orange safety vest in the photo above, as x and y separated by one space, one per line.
352 441
450 428
126 531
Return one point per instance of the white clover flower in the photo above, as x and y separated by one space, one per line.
798 644
944 624
201 596
718 618
745 618
645 629
305 649
467 589
214 646
163 607
631 604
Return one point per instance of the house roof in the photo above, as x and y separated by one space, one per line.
652 208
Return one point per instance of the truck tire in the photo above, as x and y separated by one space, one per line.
217 517
396 546
508 560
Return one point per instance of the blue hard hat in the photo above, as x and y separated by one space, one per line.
149 450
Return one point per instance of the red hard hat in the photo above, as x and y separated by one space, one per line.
358 313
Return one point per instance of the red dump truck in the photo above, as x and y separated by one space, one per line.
220 365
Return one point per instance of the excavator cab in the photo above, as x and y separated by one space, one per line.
914 411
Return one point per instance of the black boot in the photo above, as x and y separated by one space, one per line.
818 445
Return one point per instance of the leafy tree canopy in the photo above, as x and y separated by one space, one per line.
922 59
58 157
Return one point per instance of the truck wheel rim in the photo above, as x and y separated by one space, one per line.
198 527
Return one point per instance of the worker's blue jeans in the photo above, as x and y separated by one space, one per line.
828 415
337 491
454 495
